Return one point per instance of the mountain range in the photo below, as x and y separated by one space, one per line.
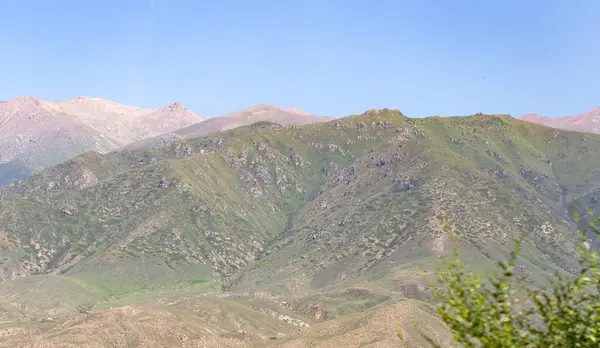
587 122
263 112
267 235
36 134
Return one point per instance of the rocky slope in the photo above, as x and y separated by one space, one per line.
35 134
315 231
587 122
257 113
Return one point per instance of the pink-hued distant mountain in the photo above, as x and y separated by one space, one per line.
257 113
35 133
587 122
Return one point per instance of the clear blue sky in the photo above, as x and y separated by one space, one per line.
328 57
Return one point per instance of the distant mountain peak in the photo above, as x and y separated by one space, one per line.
95 101
532 117
588 121
174 106
595 112
78 125
86 97
261 108
297 111
30 100
26 98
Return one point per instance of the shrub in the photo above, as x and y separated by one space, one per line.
505 311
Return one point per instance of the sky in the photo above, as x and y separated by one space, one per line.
326 57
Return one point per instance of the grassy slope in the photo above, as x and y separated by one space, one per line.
299 213
472 172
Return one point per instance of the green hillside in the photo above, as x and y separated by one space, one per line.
330 224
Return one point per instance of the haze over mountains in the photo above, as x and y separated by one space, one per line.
35 134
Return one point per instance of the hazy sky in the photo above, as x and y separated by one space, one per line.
327 57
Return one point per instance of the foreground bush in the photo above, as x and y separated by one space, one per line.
505 311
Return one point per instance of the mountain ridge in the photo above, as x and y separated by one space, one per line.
588 121
255 113
315 231
36 133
